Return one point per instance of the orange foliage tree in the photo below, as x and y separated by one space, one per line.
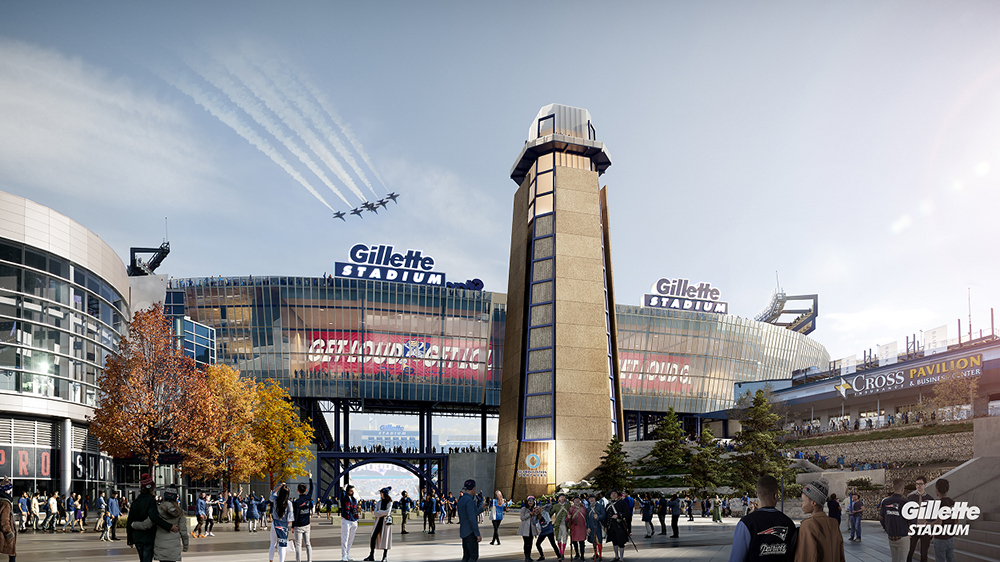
152 397
284 435
228 449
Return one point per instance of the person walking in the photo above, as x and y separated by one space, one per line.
856 508
944 545
646 508
282 513
765 534
617 513
890 514
382 531
303 506
8 529
430 512
496 516
201 514
253 513
101 505
35 512
114 512
559 513
144 507
819 538
468 523
526 530
348 522
690 508
596 514
578 528
405 505
921 497
675 515
833 507
661 513
167 546
106 531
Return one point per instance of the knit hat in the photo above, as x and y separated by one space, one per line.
817 491
6 485
145 481
386 490
170 494
470 484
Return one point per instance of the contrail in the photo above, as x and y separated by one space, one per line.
345 129
295 90
268 91
230 118
246 101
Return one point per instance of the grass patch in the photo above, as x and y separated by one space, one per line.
932 429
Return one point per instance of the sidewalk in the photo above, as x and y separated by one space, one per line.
700 541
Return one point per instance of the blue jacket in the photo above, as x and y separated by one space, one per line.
405 504
202 507
468 516
101 504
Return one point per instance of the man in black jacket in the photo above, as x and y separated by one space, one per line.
890 514
144 507
661 512
921 497
765 534
303 506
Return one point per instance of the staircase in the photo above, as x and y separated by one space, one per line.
983 542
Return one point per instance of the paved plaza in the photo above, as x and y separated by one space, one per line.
700 541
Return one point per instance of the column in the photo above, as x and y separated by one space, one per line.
422 443
66 472
482 430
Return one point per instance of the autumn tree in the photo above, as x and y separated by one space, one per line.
705 471
669 449
613 473
950 393
757 445
151 396
229 448
283 435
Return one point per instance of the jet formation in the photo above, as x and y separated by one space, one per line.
370 206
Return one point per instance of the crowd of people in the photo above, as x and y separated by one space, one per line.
847 424
414 450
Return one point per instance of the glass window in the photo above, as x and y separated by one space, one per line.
540 359
58 267
538 382
10 252
543 204
541 315
540 337
544 184
543 226
540 405
545 162
10 278
531 212
34 260
538 428
546 125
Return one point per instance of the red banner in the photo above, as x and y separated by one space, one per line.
655 373
398 355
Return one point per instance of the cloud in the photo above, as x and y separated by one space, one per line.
75 129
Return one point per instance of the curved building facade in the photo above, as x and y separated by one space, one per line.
63 306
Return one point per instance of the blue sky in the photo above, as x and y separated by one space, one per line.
851 147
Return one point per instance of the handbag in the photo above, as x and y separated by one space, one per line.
388 519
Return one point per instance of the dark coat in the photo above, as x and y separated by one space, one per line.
144 507
616 526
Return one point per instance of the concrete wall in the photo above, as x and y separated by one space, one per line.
986 440
480 467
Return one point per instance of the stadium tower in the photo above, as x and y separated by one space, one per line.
560 402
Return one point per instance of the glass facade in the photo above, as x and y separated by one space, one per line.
330 337
690 360
197 340
58 324
348 338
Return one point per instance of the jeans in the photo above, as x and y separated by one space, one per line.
663 523
552 541
405 514
145 551
470 548
302 535
944 549
855 523
496 531
673 524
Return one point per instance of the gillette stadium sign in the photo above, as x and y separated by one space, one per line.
681 294
382 263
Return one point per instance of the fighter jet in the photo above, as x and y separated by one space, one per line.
357 211
339 215
393 197
381 203
371 207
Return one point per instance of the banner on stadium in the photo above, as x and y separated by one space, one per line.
397 354
849 365
659 373
887 354
936 340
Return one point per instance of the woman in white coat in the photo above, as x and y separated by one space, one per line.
382 533
168 545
